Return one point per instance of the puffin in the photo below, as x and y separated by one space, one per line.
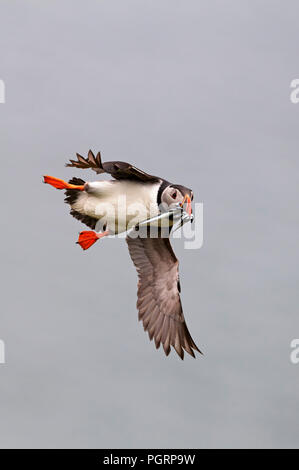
120 206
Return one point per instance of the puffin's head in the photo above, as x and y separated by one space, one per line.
175 194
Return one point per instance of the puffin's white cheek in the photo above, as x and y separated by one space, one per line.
173 204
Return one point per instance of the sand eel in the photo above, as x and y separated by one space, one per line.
115 206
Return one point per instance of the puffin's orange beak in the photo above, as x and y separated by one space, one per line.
189 206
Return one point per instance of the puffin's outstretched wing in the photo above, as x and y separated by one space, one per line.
159 302
118 170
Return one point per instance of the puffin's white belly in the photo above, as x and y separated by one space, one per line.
118 204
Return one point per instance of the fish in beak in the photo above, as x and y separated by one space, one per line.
189 206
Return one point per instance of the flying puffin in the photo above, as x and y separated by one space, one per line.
111 207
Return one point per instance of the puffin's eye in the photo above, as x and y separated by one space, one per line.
174 195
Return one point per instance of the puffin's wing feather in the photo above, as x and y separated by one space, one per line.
159 302
118 170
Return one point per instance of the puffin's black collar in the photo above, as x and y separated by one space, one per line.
163 185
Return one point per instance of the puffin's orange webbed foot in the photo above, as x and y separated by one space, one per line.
88 237
61 184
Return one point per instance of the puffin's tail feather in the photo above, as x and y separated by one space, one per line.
73 194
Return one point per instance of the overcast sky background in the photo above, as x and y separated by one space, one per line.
198 92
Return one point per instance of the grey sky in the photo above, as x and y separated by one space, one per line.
197 92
